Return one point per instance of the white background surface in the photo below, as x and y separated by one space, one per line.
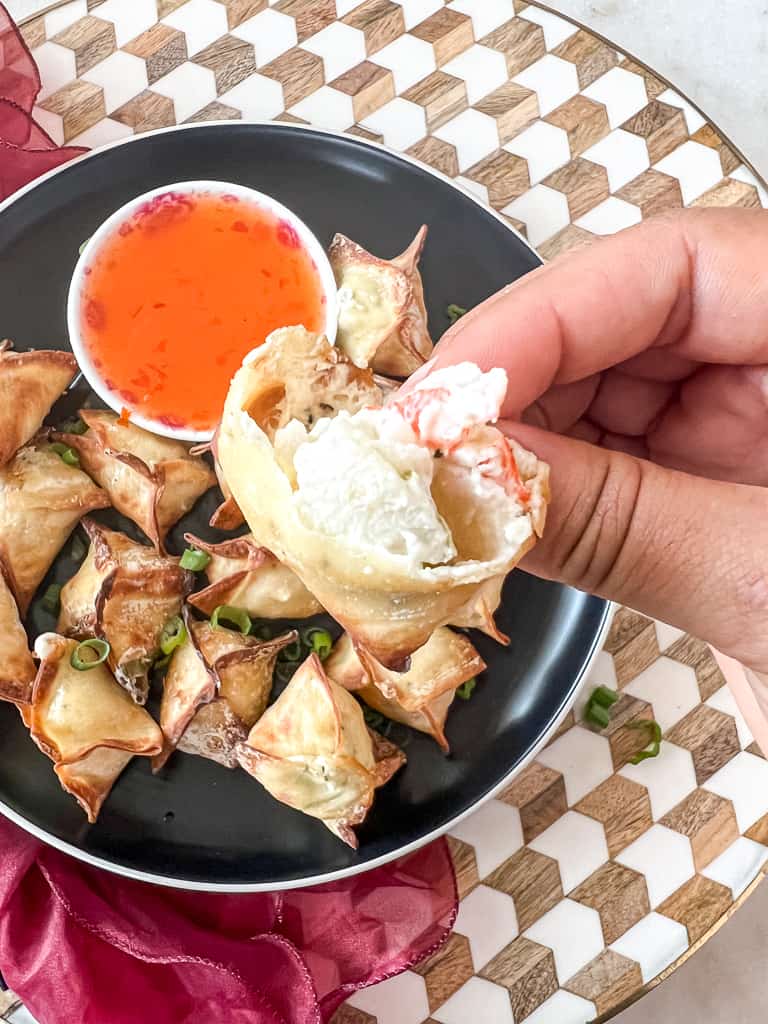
716 52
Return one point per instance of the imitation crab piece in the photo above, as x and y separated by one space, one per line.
419 697
394 517
217 686
124 593
17 669
152 480
30 382
243 575
41 500
382 319
313 751
86 723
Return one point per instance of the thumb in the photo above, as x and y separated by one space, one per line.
690 551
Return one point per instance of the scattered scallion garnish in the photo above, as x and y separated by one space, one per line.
597 715
653 746
465 691
76 426
194 559
292 652
373 719
604 697
236 616
65 453
454 312
173 635
51 598
597 711
78 549
82 246
318 640
89 654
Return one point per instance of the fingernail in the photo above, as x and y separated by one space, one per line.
421 373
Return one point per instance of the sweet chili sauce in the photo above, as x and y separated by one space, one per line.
182 291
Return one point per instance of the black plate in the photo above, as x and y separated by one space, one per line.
199 825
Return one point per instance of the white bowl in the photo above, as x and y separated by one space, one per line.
74 300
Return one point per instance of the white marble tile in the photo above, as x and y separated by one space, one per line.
202 21
669 686
400 122
341 46
56 65
622 92
398 1000
495 832
578 845
102 133
602 673
737 866
475 187
474 135
556 29
22 1016
62 17
416 11
258 97
270 32
50 123
481 68
669 778
582 756
573 933
543 210
326 108
552 79
345 6
655 943
486 15
697 167
743 781
487 917
190 86
723 700
121 77
477 1001
408 58
664 857
693 118
130 19
622 154
610 216
544 146
666 635
563 1008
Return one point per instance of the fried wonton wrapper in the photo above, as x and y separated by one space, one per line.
478 614
86 723
382 319
217 686
243 575
392 540
150 479
227 516
41 500
313 751
419 697
17 669
125 593
30 382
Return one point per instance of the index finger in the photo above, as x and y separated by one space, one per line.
694 284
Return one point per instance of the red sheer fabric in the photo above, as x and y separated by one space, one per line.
25 149
78 944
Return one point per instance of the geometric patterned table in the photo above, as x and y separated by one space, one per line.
588 877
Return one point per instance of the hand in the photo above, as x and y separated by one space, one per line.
639 370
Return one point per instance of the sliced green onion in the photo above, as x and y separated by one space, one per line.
163 662
51 598
454 312
83 661
173 635
78 549
194 559
76 426
82 246
65 453
318 640
597 715
292 652
654 744
465 691
372 718
235 616
604 697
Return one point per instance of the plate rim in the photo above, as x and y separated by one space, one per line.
194 885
